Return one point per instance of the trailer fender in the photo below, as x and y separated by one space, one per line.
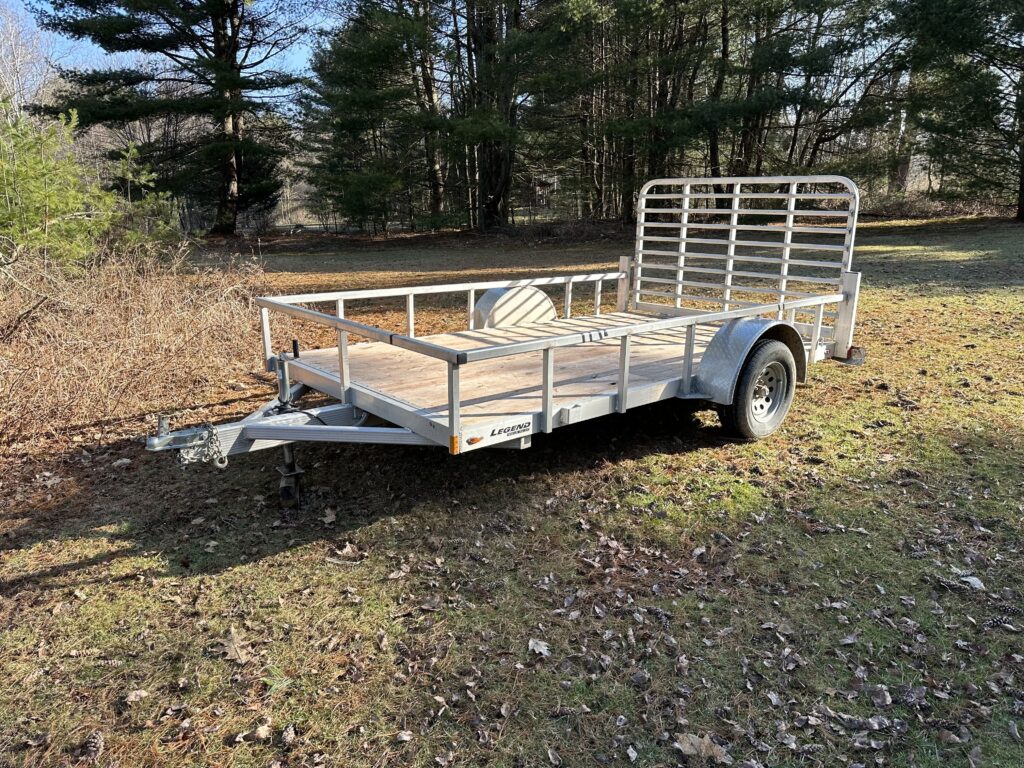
722 361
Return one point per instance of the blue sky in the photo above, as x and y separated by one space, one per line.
83 54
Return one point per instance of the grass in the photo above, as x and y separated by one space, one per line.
802 600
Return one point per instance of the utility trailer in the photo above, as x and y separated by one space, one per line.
734 287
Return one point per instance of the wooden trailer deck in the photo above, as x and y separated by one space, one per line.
496 393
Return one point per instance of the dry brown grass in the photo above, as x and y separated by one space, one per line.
83 352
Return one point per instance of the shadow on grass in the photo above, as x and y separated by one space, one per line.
152 507
969 255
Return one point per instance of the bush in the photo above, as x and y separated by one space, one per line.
931 207
135 332
49 207
103 319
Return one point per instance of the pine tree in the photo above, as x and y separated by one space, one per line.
210 59
970 97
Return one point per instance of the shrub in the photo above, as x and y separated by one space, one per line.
49 206
103 318
94 351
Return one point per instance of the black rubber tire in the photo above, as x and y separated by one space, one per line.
739 419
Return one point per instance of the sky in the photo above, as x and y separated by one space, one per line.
83 54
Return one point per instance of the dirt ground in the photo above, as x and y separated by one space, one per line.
636 590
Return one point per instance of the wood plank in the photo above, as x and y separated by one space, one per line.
503 388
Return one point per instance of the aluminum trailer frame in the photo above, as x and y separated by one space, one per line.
708 278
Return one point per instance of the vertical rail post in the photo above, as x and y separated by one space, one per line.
548 393
787 247
471 308
268 352
454 415
638 264
629 283
568 298
691 338
624 349
597 297
846 317
343 372
819 314
684 221
410 315
851 229
734 220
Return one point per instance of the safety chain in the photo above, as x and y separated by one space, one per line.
208 449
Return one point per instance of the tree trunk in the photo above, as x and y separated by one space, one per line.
627 210
1020 149
226 221
714 151
226 24
429 104
495 168
488 25
1020 186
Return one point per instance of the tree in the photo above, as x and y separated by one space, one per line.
363 117
50 207
210 59
25 61
970 92
479 105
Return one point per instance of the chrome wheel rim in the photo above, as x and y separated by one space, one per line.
769 395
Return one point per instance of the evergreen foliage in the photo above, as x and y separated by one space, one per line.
209 61
50 207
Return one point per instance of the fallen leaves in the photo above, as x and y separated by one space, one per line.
234 648
879 694
135 696
539 647
704 747
262 733
399 573
640 678
973 582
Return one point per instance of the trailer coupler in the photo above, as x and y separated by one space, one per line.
277 424
193 445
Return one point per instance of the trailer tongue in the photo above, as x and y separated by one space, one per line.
734 287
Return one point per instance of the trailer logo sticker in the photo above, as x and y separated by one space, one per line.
512 430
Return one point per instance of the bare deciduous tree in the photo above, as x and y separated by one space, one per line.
26 56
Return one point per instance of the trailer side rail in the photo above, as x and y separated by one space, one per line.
455 358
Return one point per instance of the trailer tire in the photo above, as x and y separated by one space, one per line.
764 391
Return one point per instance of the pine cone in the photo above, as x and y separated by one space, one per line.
93 747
